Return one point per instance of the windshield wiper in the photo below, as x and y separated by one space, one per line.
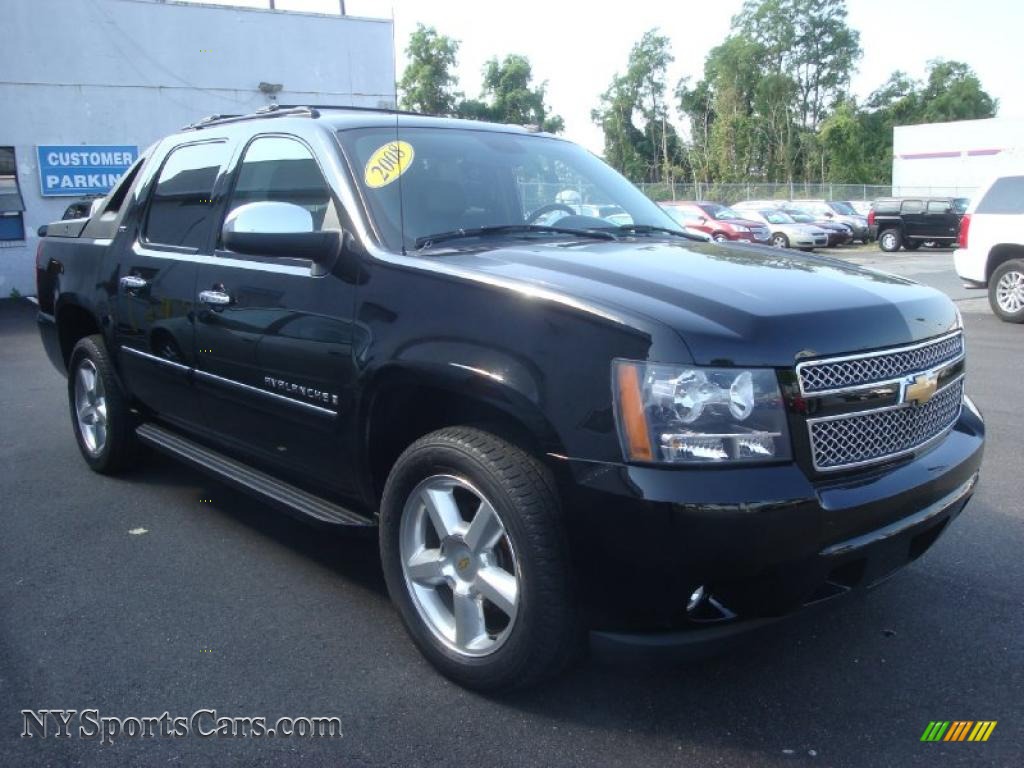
505 229
646 229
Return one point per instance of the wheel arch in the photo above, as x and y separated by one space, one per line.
74 322
404 402
999 255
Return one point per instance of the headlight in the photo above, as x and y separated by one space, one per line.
740 228
688 414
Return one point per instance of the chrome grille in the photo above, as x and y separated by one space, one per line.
868 436
842 373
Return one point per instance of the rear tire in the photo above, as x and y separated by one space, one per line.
890 240
1006 291
434 566
100 415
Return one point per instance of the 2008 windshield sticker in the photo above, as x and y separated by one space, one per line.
388 163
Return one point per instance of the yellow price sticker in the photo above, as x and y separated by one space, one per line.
388 163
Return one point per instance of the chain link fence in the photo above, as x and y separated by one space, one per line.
797 190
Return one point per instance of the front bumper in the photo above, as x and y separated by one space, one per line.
763 541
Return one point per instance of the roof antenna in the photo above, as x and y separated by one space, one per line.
401 195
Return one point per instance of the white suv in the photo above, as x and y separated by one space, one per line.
991 246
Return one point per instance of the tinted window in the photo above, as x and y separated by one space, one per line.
887 206
283 170
1005 196
913 206
180 211
938 206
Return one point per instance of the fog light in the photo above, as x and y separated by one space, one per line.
695 600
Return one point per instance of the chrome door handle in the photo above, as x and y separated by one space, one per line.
215 298
133 283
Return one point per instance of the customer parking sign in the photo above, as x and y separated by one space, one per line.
82 169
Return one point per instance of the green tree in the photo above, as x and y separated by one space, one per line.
428 82
651 151
509 96
808 41
953 92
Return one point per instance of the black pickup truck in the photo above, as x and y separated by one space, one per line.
910 222
589 424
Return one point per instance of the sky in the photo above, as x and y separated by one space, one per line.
578 47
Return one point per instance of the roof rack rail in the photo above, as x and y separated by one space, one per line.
271 110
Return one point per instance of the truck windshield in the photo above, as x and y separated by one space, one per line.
441 180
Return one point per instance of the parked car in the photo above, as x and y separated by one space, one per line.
550 429
990 249
860 207
838 234
718 222
787 233
838 211
910 222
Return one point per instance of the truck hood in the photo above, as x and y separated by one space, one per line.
732 305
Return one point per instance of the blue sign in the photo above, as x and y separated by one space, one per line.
82 169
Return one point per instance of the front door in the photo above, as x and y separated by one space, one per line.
274 362
157 281
940 221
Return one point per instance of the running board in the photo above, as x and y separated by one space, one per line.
249 479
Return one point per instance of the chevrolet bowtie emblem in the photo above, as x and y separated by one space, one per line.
919 389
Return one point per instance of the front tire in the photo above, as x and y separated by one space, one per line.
890 240
100 415
779 240
476 560
1006 291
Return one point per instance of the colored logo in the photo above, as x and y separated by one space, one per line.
920 389
959 730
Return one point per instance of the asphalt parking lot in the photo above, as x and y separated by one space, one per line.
224 604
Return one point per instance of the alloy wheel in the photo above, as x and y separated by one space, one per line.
1010 292
91 407
459 565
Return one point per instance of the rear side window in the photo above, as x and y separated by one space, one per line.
887 206
939 206
1005 196
913 206
181 209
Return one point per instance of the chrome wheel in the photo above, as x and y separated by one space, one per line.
780 241
1010 292
459 565
91 407
888 242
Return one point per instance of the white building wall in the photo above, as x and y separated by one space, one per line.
953 158
132 71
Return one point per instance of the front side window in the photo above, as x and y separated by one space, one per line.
939 206
181 208
438 180
281 169
12 227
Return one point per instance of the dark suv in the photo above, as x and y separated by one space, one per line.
909 222
589 425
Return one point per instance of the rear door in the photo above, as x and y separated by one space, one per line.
275 363
156 280
912 212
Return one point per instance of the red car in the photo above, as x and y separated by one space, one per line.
717 221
